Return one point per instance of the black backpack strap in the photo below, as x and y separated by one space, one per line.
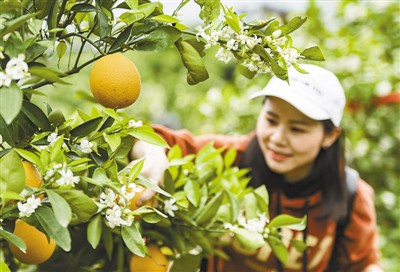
352 178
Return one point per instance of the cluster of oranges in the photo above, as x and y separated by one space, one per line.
39 247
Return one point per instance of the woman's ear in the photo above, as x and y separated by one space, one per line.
331 137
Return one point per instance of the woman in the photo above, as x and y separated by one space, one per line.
296 152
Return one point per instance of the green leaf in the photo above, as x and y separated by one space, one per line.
7 6
250 205
133 4
293 24
47 73
249 239
86 128
48 221
55 153
113 140
108 242
234 205
186 262
60 207
200 239
104 27
210 210
299 245
147 134
288 221
3 265
135 170
232 19
61 49
124 148
145 182
8 132
13 239
10 102
121 39
12 176
278 248
229 157
52 17
29 156
193 62
10 26
244 71
313 53
192 190
160 39
36 115
82 206
210 10
276 69
163 18
83 8
94 230
133 240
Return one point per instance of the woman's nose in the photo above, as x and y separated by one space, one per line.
278 135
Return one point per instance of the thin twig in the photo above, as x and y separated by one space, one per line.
85 39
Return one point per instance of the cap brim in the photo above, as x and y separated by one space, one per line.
299 101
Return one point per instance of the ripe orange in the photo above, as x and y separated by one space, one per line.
38 248
115 81
32 176
154 262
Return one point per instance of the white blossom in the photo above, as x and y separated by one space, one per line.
170 206
230 227
108 197
290 55
224 55
276 34
26 209
135 124
5 80
52 138
17 68
196 250
114 217
130 191
86 146
67 178
232 45
211 39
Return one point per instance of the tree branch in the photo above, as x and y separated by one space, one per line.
85 39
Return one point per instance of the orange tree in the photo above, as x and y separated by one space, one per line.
83 200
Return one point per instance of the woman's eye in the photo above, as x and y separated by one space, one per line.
271 121
297 129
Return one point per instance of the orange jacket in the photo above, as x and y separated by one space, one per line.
357 248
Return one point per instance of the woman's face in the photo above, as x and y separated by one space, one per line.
289 140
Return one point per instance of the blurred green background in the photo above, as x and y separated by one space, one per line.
361 44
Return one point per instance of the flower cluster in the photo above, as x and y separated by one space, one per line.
61 175
16 69
242 43
117 210
29 207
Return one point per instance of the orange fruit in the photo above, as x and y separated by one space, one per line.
38 248
133 205
155 261
115 81
32 176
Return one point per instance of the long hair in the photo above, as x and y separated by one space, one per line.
327 175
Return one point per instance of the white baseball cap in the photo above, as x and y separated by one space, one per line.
318 94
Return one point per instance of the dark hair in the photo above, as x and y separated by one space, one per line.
327 175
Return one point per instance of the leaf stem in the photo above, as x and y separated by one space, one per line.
85 39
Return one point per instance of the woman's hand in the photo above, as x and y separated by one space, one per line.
155 164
